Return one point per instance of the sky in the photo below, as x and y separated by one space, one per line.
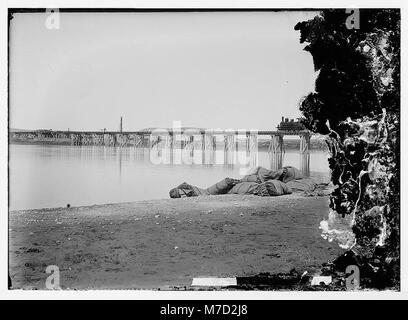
240 70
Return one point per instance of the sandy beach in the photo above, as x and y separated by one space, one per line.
164 244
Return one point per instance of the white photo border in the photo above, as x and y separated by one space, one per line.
194 295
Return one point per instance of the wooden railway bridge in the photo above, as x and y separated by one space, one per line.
170 138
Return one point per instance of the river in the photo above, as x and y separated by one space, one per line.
45 176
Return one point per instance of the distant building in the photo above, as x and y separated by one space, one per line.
290 125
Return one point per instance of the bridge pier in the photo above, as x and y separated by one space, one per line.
190 142
276 160
209 140
209 147
304 163
253 141
276 151
276 144
139 140
203 148
111 140
183 141
304 143
74 139
170 142
89 140
247 147
124 140
155 140
151 141
229 142
253 149
203 141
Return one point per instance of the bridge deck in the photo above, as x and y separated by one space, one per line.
165 132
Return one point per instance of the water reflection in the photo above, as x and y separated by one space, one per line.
304 163
231 154
276 159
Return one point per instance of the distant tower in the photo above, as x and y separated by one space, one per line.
121 128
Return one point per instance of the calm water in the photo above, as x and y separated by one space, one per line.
52 176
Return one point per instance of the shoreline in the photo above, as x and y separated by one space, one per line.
164 244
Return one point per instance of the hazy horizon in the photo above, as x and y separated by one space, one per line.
206 69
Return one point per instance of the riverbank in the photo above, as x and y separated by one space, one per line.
164 244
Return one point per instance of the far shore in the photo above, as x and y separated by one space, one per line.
164 244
